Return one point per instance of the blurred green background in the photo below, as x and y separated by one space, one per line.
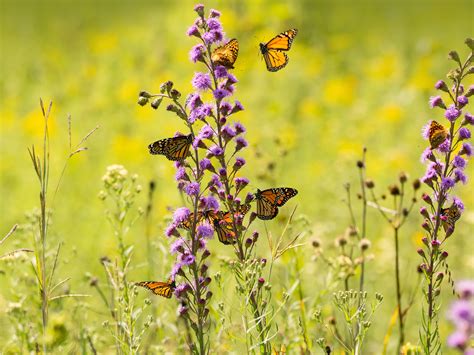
360 74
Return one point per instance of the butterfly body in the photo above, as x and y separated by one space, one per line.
164 289
273 50
269 200
437 134
175 148
226 55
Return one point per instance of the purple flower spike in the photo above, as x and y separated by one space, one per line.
464 133
452 113
201 81
192 189
180 215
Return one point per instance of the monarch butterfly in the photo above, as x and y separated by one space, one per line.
272 52
437 134
452 215
226 55
220 220
269 200
175 148
223 224
164 289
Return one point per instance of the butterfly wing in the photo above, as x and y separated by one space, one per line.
437 134
188 222
176 148
164 289
275 59
266 208
283 41
283 194
226 55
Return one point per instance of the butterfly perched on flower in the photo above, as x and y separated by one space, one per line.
221 221
226 55
273 50
451 216
437 134
175 148
269 200
164 289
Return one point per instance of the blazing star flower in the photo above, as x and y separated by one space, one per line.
181 174
215 150
241 182
237 107
210 203
206 132
436 101
205 230
214 24
239 162
176 270
445 146
193 31
193 101
219 94
178 245
215 181
469 119
228 132
187 258
466 149
441 85
171 230
214 13
462 101
225 108
201 81
239 128
447 183
464 133
197 53
180 215
452 113
192 189
427 155
213 36
459 162
205 164
240 143
220 71
460 176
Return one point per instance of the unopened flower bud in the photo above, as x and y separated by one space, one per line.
248 242
426 226
145 94
453 55
208 295
421 252
427 199
425 241
340 241
364 244
316 243
444 255
394 190
205 254
470 43
263 261
424 212
156 102
175 94
142 101
360 164
435 243
416 184
261 281
369 184
440 276
204 268
403 177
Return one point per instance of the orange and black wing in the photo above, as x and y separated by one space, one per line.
164 289
188 222
437 134
452 214
272 51
226 55
176 148
269 200
223 226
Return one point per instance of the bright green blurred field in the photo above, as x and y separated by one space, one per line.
360 74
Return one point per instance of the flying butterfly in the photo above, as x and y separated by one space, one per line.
437 134
452 215
175 148
273 50
226 55
269 200
164 289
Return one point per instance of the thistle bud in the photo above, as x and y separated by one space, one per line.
145 94
403 177
142 101
156 102
369 184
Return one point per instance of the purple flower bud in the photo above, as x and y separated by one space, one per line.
435 243
193 31
180 215
421 252
460 176
178 245
426 226
444 255
452 113
208 295
458 203
215 150
447 183
261 281
193 101
199 8
240 183
214 13
465 289
204 268
240 143
441 85
424 212
225 108
228 133
176 270
205 164
219 94
205 254
221 194
196 53
222 172
181 174
466 149
187 258
192 189
210 203
462 101
239 128
206 281
249 198
181 290
464 133
214 24
248 242
427 155
437 101
263 261
459 162
239 162
445 146
171 231
215 181
220 72
201 81
237 107
468 119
